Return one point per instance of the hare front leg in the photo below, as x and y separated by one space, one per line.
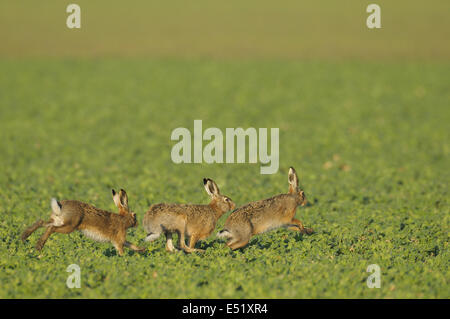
192 241
182 243
119 247
298 226
134 247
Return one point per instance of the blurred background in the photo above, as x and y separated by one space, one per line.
227 29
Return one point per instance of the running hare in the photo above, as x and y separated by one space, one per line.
264 215
97 224
194 221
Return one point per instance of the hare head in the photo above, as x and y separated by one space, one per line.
121 201
221 202
294 189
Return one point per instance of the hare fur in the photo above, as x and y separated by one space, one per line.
100 225
264 215
196 222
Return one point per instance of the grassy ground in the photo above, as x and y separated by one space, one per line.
369 141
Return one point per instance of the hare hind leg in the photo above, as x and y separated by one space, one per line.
234 244
238 241
65 229
240 235
169 243
41 242
31 229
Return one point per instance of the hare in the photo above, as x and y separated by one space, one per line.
194 221
264 215
100 225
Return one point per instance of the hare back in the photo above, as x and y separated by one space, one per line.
86 216
265 214
190 210
163 208
200 213
161 217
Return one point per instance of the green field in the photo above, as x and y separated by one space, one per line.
363 117
369 141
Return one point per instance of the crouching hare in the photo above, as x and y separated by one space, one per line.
100 225
194 221
264 215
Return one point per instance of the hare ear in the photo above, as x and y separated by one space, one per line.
211 187
123 198
215 187
207 188
116 198
293 180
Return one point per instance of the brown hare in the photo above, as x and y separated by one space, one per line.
100 225
264 215
194 221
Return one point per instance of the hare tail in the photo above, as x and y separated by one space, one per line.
56 207
224 234
58 219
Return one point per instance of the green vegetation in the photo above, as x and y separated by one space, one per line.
369 141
